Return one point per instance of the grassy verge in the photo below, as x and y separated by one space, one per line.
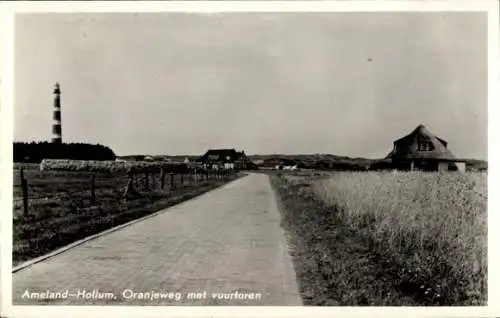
33 237
343 263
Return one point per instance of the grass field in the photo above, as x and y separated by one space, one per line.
61 212
383 238
53 193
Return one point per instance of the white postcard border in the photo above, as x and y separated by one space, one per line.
9 9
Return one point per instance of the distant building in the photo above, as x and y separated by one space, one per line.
186 160
421 150
227 158
258 161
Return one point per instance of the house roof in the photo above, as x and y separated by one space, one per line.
221 155
407 147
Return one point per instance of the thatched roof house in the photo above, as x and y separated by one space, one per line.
219 156
422 150
223 156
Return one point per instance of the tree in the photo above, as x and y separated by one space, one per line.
35 152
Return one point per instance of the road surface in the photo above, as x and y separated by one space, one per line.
225 247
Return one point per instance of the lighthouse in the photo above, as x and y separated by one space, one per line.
56 126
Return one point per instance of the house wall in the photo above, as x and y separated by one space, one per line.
430 165
461 166
443 166
419 165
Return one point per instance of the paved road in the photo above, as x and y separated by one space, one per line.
228 240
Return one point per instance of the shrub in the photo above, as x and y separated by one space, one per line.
113 166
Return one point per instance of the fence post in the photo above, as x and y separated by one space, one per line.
162 179
172 183
130 188
92 189
153 180
24 185
146 180
182 178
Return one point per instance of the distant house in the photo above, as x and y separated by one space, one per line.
149 158
226 158
186 160
421 150
133 158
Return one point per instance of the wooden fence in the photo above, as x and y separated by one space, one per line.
136 183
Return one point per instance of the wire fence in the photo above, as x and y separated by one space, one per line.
36 190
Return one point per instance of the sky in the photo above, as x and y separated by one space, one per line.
180 83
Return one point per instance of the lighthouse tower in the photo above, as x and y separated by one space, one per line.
56 126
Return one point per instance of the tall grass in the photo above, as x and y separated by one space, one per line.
433 225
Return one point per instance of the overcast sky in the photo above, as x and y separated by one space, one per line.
179 83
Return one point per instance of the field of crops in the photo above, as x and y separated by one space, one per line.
421 237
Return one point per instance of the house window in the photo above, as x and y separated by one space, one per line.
425 146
